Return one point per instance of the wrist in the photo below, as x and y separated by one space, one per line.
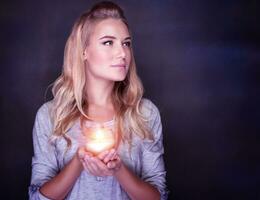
77 162
119 170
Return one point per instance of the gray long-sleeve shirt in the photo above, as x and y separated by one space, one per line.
145 159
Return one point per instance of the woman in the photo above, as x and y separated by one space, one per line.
98 85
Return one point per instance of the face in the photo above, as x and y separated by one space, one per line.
108 53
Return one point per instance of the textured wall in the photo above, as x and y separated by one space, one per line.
199 62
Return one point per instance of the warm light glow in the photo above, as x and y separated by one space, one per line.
99 134
99 140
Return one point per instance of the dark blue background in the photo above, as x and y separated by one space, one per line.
199 62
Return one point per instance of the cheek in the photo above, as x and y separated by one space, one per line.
129 57
97 56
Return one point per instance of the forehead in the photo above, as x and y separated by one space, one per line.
111 27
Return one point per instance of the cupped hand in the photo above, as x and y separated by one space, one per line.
103 164
115 164
111 159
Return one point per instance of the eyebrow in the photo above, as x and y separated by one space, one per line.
113 37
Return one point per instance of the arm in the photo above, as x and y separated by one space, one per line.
151 184
47 180
60 185
153 169
134 186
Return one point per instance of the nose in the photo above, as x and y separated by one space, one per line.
120 52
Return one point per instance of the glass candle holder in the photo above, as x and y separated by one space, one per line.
99 138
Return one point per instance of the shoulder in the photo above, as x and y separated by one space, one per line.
42 124
151 114
149 109
43 115
153 117
44 110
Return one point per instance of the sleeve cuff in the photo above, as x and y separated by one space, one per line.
35 194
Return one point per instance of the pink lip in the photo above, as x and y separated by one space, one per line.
118 65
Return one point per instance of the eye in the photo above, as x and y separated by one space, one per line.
127 44
108 43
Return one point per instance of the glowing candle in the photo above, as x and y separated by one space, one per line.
99 139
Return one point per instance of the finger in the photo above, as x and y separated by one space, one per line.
101 167
109 156
102 155
111 164
115 155
87 155
114 164
81 153
86 167
92 168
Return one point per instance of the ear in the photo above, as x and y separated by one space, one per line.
85 55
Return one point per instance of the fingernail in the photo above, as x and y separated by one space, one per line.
80 155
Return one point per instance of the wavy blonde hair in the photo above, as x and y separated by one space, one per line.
70 103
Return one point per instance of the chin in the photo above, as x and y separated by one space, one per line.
119 79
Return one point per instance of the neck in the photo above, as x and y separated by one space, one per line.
100 106
99 93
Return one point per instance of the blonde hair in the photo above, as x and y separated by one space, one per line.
70 103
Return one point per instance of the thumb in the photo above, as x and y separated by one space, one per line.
81 152
111 164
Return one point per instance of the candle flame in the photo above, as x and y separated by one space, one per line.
99 134
100 140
